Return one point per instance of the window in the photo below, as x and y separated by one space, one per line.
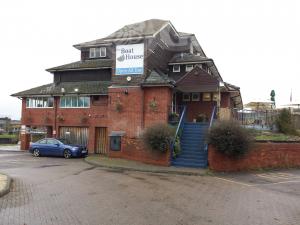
188 68
215 97
186 97
195 97
44 141
97 52
39 102
206 97
92 52
102 52
74 102
176 68
52 142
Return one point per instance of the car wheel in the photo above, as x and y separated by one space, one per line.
67 154
36 152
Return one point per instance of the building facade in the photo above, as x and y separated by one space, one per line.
140 75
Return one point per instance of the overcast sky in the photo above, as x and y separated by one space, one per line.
255 44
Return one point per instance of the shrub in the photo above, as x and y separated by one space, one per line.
284 122
158 137
201 118
177 148
229 138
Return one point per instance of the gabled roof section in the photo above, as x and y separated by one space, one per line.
156 78
83 65
188 58
87 87
197 80
235 94
147 28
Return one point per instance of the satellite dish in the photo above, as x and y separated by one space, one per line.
129 78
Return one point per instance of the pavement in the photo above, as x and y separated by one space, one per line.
12 148
5 182
129 165
48 191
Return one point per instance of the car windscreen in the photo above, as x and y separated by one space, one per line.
64 141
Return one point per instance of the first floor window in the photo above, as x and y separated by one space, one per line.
39 102
74 102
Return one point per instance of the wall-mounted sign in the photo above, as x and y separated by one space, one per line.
130 59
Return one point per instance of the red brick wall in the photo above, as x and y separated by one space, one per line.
134 117
96 117
134 149
163 97
263 155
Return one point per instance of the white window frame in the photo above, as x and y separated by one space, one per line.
189 66
204 99
32 103
186 99
102 56
92 52
63 98
176 71
195 99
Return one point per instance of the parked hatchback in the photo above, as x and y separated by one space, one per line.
57 147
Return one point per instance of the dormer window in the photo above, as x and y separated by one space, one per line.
98 52
176 68
188 68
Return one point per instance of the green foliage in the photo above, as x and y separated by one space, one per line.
229 138
272 96
177 148
201 118
284 122
158 137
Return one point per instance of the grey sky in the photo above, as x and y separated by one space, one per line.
255 44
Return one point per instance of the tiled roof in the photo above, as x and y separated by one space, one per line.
85 64
197 80
188 57
182 58
135 30
87 87
157 79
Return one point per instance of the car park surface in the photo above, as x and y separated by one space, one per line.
58 191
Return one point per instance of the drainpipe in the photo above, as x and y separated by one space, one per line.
55 118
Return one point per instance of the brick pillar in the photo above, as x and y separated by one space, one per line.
25 141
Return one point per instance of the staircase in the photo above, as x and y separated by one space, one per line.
192 153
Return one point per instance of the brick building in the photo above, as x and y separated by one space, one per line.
140 75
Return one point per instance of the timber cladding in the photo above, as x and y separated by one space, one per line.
263 155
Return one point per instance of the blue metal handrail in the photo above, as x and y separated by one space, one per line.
179 126
210 124
212 116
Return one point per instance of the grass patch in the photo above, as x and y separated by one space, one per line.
8 136
273 136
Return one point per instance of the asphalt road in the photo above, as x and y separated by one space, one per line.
58 191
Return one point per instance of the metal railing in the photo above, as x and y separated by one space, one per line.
213 114
179 126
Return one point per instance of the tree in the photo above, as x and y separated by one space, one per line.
273 96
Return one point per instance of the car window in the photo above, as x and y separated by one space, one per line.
44 141
52 142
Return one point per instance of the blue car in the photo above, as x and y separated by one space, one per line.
57 147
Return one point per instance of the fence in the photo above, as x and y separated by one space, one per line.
257 119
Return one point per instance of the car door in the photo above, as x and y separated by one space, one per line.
53 147
42 146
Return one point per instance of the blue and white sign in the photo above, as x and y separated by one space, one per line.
130 59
